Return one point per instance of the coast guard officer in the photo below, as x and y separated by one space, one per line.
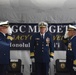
42 49
4 47
71 49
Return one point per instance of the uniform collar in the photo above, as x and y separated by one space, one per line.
43 35
73 36
3 34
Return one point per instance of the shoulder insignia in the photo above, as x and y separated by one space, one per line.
10 38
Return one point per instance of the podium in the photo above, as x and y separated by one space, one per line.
32 69
62 74
14 66
14 74
61 68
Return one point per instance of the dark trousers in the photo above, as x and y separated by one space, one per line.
74 73
42 68
69 64
3 69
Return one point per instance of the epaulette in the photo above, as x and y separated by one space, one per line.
10 38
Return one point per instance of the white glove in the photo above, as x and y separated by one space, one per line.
9 30
74 68
51 59
32 59
66 35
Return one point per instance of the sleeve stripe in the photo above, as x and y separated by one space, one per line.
32 54
51 54
74 62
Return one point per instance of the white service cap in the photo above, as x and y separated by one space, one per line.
4 23
43 24
71 27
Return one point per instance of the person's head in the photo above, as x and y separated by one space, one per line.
71 30
5 27
43 27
